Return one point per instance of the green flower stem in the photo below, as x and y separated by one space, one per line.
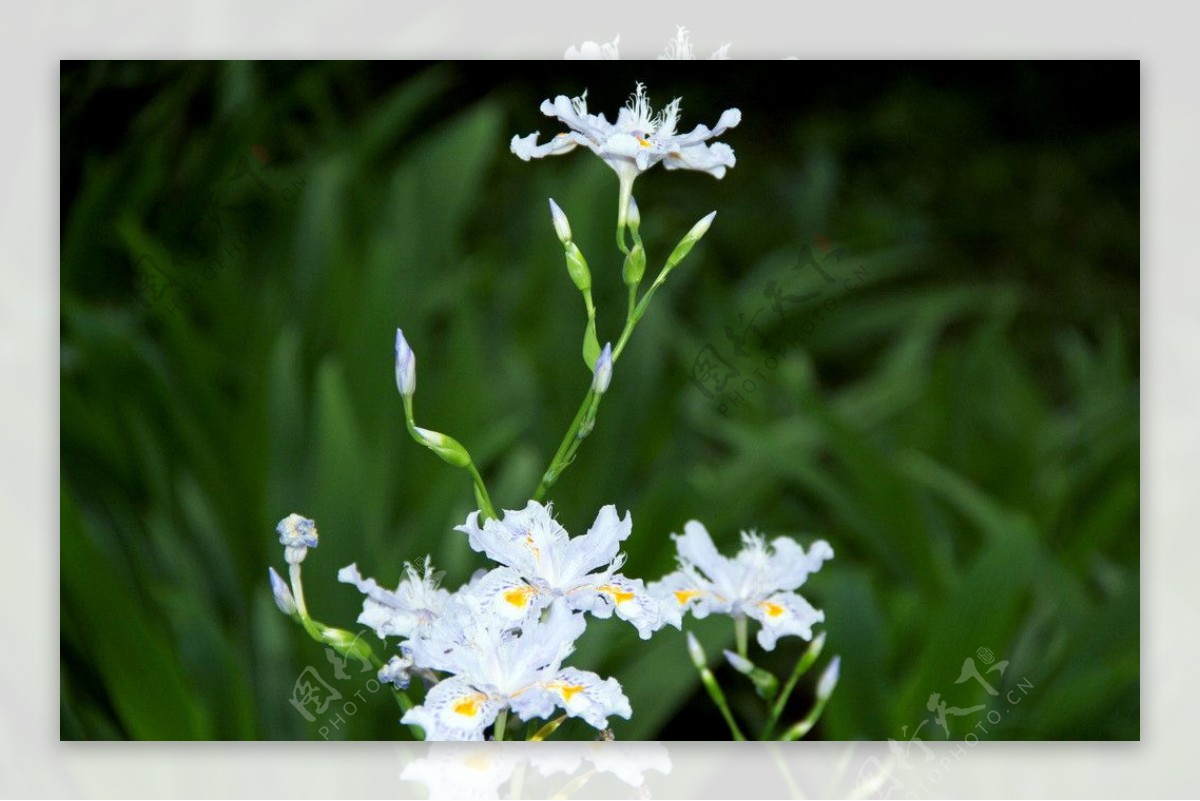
481 493
501 720
802 665
645 301
623 213
714 691
786 772
803 727
298 593
589 305
560 460
357 648
581 425
740 630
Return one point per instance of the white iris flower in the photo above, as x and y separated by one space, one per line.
637 141
759 582
413 606
495 666
541 562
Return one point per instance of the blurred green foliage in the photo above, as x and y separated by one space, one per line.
957 412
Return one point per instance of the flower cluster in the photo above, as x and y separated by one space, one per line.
759 583
499 643
501 639
638 140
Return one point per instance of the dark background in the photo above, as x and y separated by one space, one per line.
957 411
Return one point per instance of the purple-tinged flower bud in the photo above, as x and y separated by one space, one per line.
602 377
406 366
282 593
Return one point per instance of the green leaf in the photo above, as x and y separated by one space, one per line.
127 648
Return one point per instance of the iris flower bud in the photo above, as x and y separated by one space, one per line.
561 226
602 376
406 366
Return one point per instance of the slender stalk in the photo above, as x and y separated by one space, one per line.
637 308
481 493
802 665
623 212
805 726
518 779
559 461
298 591
740 626
785 771
501 719
714 691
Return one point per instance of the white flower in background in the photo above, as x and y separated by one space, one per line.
637 141
495 666
680 48
590 51
759 582
413 606
461 770
541 562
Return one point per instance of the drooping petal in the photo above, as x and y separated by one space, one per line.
625 597
579 693
398 613
783 614
544 645
630 762
504 593
527 147
701 133
461 770
713 159
573 113
684 591
454 710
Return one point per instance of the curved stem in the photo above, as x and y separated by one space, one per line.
481 493
802 665
714 691
559 461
